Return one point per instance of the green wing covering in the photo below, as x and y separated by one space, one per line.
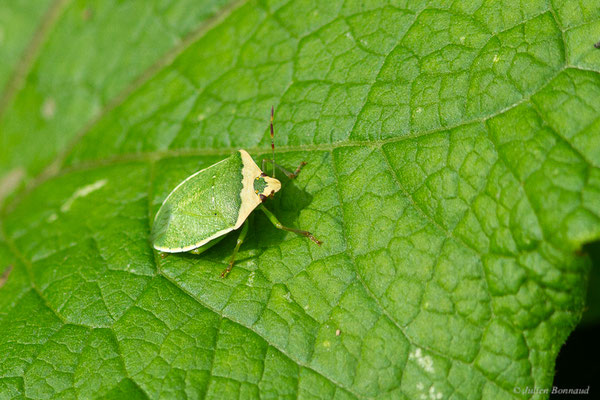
203 205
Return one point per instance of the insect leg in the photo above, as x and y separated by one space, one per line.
237 247
272 142
290 175
278 225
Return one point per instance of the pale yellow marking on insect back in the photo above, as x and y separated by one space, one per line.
273 186
250 200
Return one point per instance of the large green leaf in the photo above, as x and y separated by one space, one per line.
452 175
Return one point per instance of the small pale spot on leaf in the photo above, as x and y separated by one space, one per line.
49 108
82 192
425 362
434 394
10 181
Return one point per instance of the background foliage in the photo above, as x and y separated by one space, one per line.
453 175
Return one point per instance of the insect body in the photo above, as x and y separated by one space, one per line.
215 201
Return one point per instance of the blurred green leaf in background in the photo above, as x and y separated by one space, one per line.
453 173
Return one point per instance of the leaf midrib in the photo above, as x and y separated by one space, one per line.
56 169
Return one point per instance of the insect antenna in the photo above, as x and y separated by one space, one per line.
272 141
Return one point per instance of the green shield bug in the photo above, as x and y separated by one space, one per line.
214 201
